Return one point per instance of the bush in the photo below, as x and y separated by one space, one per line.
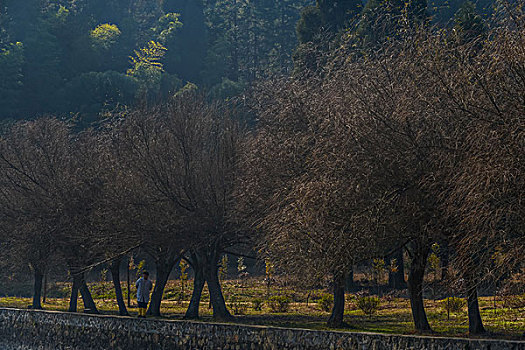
237 306
369 305
326 302
257 304
453 305
279 303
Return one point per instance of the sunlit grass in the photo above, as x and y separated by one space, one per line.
394 315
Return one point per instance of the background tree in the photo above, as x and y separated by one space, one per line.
468 25
383 20
11 79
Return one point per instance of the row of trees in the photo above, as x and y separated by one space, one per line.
417 142
161 179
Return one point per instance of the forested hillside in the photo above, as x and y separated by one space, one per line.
86 57
73 56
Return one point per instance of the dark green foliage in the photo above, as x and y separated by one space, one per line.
11 63
187 49
219 45
319 27
309 25
383 19
92 92
226 89
22 17
70 46
337 14
468 25
279 303
248 39
326 302
42 78
444 11
326 16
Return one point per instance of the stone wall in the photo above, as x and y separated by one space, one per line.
30 330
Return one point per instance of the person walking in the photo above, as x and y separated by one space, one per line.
144 287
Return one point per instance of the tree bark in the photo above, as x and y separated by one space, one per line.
336 318
475 323
211 273
349 281
115 274
396 280
44 296
128 282
74 293
198 284
415 286
445 257
89 303
164 267
37 290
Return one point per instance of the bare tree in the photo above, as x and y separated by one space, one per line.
49 195
180 159
486 188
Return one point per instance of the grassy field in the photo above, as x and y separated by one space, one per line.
305 309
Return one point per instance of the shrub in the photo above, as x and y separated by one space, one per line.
351 302
257 304
326 302
237 306
453 305
279 303
369 305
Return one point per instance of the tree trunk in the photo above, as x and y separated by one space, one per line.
349 281
198 284
336 318
44 296
37 290
129 283
164 267
211 273
89 303
444 261
74 293
475 324
415 286
396 280
115 274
